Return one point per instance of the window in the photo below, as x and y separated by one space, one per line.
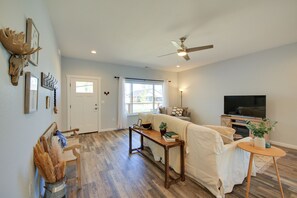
143 96
84 87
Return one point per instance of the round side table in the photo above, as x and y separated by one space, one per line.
273 152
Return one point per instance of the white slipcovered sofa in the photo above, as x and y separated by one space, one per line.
216 166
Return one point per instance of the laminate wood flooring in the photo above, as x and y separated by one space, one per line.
109 171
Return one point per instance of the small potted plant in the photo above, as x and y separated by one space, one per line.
163 127
259 130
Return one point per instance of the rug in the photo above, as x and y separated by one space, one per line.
262 163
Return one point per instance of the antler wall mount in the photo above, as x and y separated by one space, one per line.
15 44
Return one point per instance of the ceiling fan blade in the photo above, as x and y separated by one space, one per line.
167 54
176 45
186 57
193 49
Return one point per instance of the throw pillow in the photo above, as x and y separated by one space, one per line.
225 132
168 110
179 112
185 111
174 111
162 110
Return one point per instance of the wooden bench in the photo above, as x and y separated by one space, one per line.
71 153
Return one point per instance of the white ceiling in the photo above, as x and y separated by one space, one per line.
135 32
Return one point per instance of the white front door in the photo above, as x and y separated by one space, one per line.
83 104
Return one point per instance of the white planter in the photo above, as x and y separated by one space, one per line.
259 142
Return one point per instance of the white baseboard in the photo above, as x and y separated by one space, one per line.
109 129
284 144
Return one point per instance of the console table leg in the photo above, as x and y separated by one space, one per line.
182 161
141 142
249 175
166 184
278 177
130 140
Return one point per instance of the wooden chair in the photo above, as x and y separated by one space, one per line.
71 153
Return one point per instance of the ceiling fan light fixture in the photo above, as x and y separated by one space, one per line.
181 53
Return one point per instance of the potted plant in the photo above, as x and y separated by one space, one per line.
163 127
259 130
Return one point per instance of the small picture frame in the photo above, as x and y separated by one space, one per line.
139 122
31 93
32 38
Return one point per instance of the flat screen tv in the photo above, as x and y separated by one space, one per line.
252 106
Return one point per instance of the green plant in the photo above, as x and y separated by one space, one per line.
163 126
262 128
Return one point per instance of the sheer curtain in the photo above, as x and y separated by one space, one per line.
122 114
165 94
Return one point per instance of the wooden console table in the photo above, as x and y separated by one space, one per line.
273 152
155 136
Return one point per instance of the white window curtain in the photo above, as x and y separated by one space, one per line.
122 114
165 94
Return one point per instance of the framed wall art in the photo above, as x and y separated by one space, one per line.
33 40
31 93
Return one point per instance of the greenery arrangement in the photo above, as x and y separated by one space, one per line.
163 126
264 127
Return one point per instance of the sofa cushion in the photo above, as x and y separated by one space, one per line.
225 132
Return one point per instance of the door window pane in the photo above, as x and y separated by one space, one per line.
84 87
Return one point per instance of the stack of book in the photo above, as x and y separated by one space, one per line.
170 136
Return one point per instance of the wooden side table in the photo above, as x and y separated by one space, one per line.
273 152
156 137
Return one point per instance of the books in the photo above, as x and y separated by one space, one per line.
170 136
168 139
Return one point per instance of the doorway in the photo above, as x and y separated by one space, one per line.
83 106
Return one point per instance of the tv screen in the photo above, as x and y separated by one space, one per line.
253 106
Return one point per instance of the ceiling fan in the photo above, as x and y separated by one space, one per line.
183 51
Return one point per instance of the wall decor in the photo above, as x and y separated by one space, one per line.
106 92
55 101
32 40
48 81
15 44
31 93
47 102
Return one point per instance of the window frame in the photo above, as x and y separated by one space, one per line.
149 82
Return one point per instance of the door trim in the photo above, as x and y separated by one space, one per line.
68 78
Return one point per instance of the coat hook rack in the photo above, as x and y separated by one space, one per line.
48 81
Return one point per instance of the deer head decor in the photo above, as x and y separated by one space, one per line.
15 44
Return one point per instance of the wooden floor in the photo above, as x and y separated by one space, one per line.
109 171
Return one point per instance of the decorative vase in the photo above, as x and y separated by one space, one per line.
55 190
162 132
259 142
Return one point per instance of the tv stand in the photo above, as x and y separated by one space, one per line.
238 122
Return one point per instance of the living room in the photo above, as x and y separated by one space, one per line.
254 53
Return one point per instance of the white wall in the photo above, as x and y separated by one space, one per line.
19 132
272 73
106 72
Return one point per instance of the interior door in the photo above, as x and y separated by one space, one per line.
83 107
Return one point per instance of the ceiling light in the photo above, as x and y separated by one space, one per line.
181 53
93 52
177 66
